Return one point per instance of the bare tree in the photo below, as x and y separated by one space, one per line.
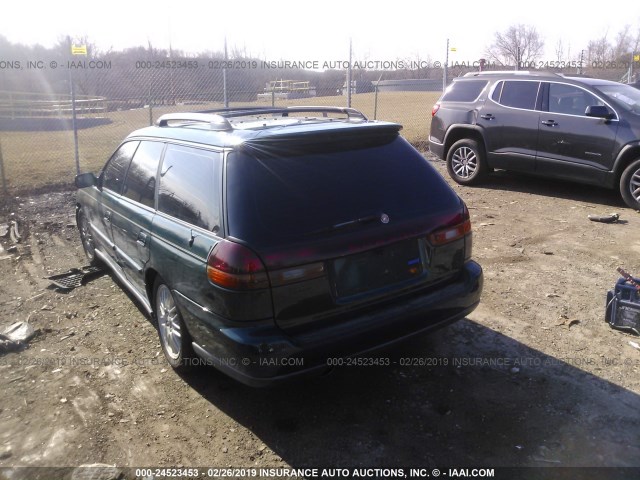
519 44
599 51
624 43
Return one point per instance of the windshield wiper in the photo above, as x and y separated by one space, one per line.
350 223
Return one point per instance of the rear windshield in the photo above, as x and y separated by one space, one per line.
276 198
466 91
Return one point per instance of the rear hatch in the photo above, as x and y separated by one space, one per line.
344 221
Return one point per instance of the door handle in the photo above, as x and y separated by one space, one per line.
488 116
192 238
142 239
107 216
549 123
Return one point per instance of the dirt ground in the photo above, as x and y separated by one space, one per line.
534 377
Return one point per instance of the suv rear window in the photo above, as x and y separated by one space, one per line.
311 188
466 91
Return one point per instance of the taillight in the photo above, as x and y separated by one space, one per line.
235 266
435 109
460 228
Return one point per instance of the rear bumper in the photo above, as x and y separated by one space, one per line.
266 355
436 148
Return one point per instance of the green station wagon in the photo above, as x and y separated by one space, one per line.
267 241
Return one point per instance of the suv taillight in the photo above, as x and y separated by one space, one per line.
435 109
231 265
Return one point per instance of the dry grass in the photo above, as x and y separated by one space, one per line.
33 160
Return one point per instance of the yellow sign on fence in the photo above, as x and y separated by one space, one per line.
78 49
636 58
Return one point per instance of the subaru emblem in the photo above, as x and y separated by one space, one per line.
384 218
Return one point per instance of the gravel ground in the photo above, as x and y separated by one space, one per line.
534 377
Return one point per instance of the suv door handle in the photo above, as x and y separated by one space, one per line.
549 123
107 216
488 116
142 239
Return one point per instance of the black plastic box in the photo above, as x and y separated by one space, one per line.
623 307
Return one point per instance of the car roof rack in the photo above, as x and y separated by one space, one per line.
535 73
235 112
573 75
219 119
216 122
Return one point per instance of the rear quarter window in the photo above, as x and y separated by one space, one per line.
190 186
517 94
464 91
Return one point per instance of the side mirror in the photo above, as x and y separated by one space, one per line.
598 111
86 180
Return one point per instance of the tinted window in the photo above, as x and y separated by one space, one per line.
113 176
519 94
190 186
276 197
464 91
569 99
495 96
140 184
626 96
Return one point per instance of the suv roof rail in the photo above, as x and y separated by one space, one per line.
574 75
539 73
235 112
216 122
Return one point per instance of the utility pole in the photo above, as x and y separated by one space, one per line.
581 60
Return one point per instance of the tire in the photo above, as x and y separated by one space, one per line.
88 242
174 337
466 163
630 185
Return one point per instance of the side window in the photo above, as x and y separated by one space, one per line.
464 91
519 94
140 184
495 96
114 172
190 186
569 99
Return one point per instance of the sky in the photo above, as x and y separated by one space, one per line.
316 30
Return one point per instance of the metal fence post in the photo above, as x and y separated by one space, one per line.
375 103
4 180
150 103
349 77
73 112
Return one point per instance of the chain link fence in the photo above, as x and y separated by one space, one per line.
67 114
40 130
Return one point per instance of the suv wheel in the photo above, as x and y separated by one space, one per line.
465 162
630 185
88 243
174 338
